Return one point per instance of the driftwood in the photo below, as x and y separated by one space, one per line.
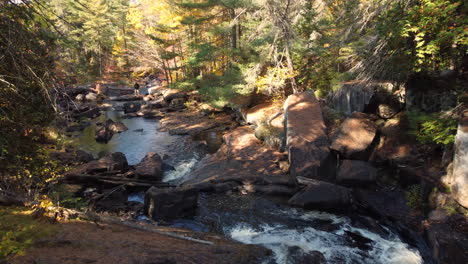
115 180
117 221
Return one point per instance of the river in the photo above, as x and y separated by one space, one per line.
253 219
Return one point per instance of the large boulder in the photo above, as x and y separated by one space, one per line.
260 113
170 204
150 167
111 162
356 172
381 98
306 138
354 137
131 107
457 179
243 160
322 196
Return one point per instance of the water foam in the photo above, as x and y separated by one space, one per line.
181 170
333 245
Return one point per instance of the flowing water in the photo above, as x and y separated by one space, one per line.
252 220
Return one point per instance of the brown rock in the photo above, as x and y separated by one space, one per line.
306 139
355 136
243 158
150 167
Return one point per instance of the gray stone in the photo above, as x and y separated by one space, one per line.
306 138
170 204
355 172
457 179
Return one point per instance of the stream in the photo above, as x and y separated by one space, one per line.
288 232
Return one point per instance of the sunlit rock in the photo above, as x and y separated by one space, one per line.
306 138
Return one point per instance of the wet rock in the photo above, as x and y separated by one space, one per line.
170 204
150 167
298 255
323 196
355 136
356 172
132 107
306 139
91 97
111 162
457 178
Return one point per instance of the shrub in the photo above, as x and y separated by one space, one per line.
430 128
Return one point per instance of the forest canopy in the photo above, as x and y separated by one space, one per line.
222 48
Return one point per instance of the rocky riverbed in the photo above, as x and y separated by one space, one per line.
210 174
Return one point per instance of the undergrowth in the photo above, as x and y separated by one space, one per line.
19 230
